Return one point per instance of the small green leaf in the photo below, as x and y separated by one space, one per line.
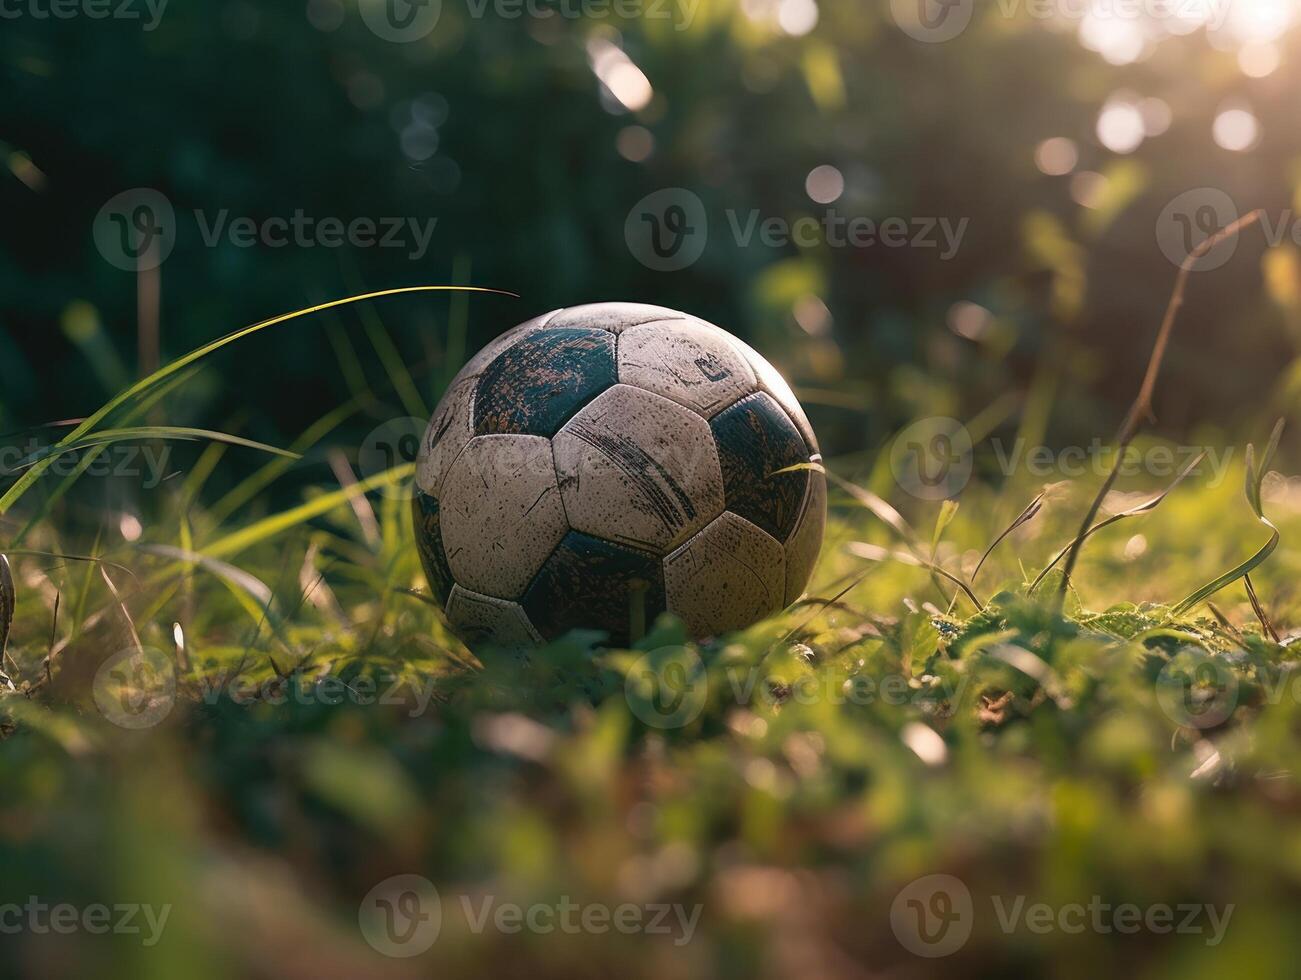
947 511
8 604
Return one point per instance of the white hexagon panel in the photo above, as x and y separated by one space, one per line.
489 620
726 577
686 361
501 513
638 469
615 317
449 430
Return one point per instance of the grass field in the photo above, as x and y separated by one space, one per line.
287 725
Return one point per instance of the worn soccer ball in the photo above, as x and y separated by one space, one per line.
601 464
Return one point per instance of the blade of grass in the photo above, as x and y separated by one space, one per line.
1030 512
1265 624
895 521
28 553
126 613
1255 477
883 511
874 552
201 472
948 510
249 488
91 455
394 365
1141 410
8 605
106 437
1146 507
242 585
15 492
263 530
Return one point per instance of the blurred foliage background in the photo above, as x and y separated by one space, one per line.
1058 142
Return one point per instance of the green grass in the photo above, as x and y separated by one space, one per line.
1127 746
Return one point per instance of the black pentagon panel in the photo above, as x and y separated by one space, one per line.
588 583
756 439
429 543
536 385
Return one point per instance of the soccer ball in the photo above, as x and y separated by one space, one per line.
599 465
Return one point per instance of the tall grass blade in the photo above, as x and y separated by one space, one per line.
88 459
1145 507
8 605
243 585
1259 610
24 483
263 530
1255 477
249 488
873 552
878 506
108 437
1031 511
